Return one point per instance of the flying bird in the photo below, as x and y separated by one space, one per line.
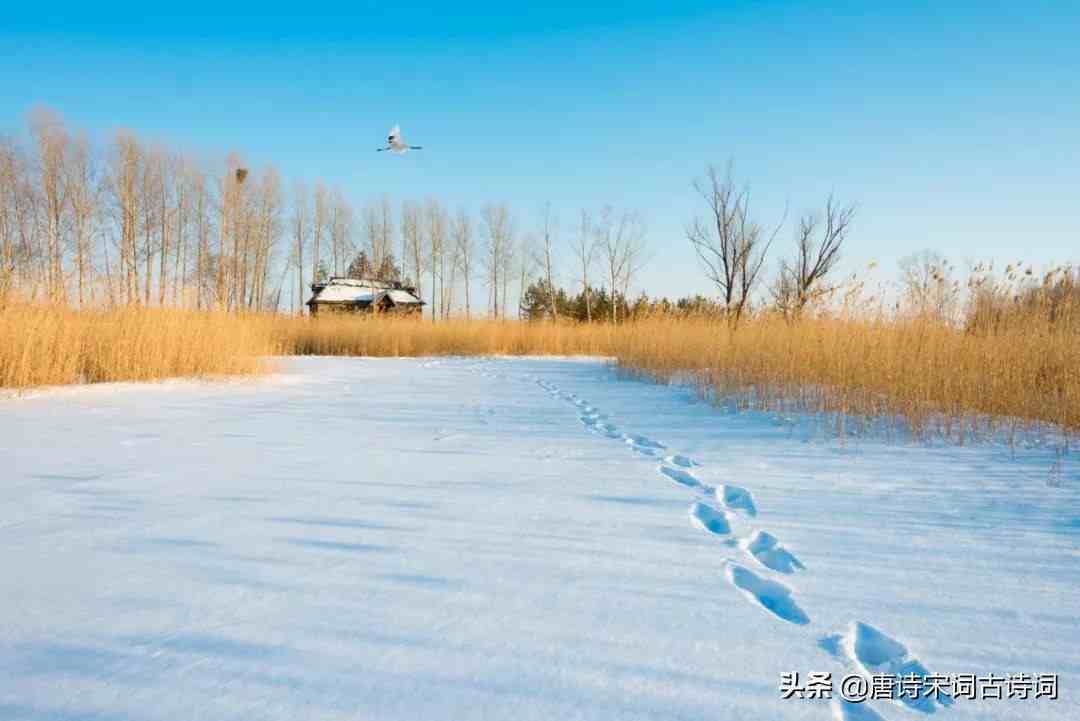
396 144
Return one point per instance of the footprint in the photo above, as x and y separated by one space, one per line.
681 461
737 498
643 441
679 476
769 553
846 711
709 519
874 652
774 597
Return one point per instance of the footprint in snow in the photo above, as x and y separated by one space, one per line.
643 441
642 444
681 461
766 549
773 597
874 652
737 499
683 478
709 519
597 426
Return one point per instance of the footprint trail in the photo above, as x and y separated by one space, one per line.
869 650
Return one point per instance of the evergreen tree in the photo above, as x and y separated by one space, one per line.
360 267
388 269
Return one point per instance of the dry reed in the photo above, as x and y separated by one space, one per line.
50 345
385 336
919 370
923 371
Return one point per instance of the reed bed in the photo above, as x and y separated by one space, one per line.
50 345
385 336
920 371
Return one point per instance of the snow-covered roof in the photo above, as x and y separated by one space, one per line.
403 297
363 291
363 282
346 293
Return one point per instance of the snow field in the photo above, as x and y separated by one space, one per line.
496 538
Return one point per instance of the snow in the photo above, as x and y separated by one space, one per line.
403 297
507 539
340 290
346 293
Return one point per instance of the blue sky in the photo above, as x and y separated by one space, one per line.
953 126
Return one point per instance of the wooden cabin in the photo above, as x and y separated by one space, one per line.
364 295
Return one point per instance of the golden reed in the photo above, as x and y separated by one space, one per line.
917 369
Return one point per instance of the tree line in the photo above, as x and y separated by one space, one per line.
134 222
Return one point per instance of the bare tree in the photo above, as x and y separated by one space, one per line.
52 144
499 234
386 230
928 286
545 259
126 175
83 193
234 225
451 263
506 273
464 250
730 245
341 224
266 231
165 182
18 220
202 208
9 219
803 279
185 171
584 247
378 228
301 231
621 239
318 228
435 220
413 240
529 257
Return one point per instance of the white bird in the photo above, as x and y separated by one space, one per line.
396 144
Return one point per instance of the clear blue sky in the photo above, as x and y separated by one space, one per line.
954 126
